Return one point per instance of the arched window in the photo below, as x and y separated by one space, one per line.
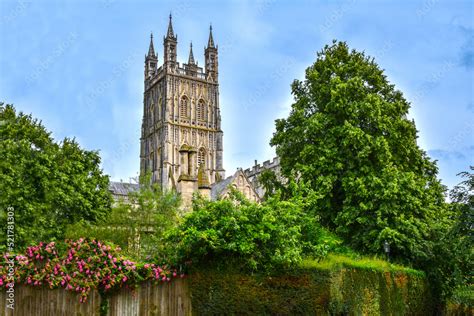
183 107
201 111
202 157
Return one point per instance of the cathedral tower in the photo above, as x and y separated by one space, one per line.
181 137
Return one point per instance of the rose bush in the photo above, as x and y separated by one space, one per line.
80 266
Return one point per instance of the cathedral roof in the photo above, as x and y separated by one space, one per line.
219 187
122 189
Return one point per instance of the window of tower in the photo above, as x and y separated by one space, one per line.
201 111
183 107
202 157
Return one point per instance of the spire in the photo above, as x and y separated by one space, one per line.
170 33
191 55
210 42
151 49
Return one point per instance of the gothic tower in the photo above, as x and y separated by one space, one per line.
181 137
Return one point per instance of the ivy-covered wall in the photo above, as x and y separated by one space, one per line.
308 291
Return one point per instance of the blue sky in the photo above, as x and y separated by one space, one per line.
78 66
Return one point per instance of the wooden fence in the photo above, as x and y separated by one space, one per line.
149 299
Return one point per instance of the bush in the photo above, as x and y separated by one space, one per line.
256 236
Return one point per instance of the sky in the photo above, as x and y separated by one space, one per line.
78 67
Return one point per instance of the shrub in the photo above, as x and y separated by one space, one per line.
257 236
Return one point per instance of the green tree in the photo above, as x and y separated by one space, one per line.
48 185
137 224
348 138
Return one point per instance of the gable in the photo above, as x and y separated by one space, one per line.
239 181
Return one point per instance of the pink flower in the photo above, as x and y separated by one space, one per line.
124 279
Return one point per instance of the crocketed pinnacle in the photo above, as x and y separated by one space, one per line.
210 42
170 33
191 55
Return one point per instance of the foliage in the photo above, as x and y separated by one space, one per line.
47 185
138 223
310 290
463 297
462 197
348 139
452 263
270 182
83 265
260 237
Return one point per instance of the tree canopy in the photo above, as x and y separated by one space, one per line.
348 137
47 185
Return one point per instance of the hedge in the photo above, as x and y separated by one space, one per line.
218 290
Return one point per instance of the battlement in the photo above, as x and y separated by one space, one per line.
184 70
257 168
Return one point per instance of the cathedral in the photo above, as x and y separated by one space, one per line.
181 142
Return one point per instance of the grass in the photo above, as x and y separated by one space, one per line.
338 261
